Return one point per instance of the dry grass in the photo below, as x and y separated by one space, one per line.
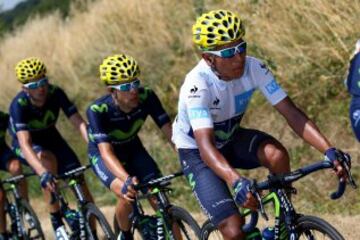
307 43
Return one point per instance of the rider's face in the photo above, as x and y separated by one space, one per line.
227 68
38 95
127 100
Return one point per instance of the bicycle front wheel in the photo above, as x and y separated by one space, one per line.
102 228
310 227
209 231
30 222
184 224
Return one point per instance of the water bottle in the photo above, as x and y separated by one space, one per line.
61 234
268 233
72 218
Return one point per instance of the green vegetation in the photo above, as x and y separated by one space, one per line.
306 43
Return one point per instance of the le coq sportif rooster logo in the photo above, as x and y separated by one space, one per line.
193 90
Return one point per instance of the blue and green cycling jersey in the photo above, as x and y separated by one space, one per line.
39 121
353 79
107 123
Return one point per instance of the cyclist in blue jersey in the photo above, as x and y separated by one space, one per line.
9 163
353 85
36 141
207 134
115 151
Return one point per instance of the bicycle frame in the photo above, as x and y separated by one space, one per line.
281 204
15 213
74 184
158 189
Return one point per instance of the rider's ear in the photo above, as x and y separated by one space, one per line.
208 59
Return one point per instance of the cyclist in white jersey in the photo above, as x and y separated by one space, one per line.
213 100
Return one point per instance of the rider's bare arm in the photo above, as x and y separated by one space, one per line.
302 125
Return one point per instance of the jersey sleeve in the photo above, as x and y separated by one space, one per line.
98 132
66 105
353 78
266 82
196 97
17 111
156 110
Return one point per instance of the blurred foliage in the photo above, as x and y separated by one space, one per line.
11 19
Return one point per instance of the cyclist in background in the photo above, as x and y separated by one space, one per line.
115 151
207 134
9 163
33 115
353 85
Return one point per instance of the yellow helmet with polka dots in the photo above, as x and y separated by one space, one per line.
217 28
30 69
118 69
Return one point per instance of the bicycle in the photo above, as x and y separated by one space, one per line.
24 224
169 222
83 228
288 223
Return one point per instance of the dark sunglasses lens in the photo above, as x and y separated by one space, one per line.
33 85
125 87
228 53
136 84
241 48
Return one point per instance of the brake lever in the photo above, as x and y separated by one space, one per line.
350 177
255 193
261 206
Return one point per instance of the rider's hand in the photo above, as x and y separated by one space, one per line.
334 155
47 181
243 196
127 189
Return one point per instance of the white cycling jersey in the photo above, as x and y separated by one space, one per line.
207 102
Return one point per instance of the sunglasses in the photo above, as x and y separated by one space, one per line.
125 87
229 52
34 85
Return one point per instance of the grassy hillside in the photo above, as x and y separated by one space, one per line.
306 43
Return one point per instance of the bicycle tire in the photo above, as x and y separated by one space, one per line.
314 225
207 229
182 218
30 222
91 210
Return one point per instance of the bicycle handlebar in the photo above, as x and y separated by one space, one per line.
283 180
73 172
158 182
17 178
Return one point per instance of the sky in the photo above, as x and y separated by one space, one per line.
8 4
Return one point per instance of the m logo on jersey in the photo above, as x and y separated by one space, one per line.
216 102
272 87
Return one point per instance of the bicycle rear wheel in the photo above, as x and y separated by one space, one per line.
189 229
103 229
310 227
30 222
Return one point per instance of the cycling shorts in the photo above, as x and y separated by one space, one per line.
211 191
134 158
65 156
